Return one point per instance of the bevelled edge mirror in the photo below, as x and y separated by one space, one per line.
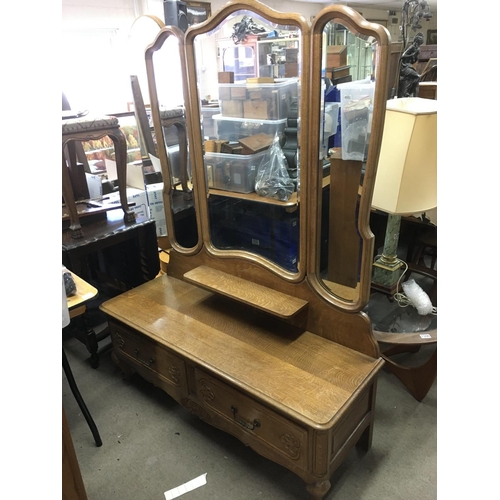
378 36
196 37
179 204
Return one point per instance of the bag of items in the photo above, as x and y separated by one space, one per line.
272 179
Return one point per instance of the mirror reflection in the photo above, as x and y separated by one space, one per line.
347 97
165 78
248 85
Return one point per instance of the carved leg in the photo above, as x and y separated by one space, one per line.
418 380
127 372
120 144
183 157
318 490
91 341
69 199
365 441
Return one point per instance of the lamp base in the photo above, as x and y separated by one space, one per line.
387 268
385 277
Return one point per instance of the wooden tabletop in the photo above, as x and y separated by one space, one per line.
279 363
103 230
84 292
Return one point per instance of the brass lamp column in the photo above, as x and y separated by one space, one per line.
406 182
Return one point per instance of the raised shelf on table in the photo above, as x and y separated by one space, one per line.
263 298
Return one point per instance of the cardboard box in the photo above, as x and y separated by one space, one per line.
292 55
261 79
156 207
256 143
291 69
238 92
135 175
224 93
336 55
136 198
232 108
94 183
334 73
255 109
226 76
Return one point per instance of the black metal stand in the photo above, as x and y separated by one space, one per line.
79 399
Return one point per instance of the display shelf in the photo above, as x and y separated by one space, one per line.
292 202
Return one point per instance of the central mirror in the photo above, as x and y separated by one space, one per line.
246 80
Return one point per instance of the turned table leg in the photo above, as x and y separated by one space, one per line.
318 490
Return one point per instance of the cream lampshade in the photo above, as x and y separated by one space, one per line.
406 181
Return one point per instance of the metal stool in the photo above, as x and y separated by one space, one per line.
87 129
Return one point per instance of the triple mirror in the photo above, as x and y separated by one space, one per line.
283 136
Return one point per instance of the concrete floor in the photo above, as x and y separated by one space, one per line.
151 444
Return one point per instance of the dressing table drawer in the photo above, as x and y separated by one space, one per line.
263 424
151 360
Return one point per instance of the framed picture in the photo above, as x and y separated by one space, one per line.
432 37
197 12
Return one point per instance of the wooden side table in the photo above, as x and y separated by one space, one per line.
417 379
402 330
138 264
131 249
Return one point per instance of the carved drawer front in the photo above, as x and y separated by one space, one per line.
275 431
146 354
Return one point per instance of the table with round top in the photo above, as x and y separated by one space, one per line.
401 330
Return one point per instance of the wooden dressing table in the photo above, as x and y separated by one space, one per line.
268 354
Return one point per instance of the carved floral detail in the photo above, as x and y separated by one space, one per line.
206 392
195 409
291 444
119 340
175 374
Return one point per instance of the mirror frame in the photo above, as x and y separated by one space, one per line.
359 27
157 44
196 139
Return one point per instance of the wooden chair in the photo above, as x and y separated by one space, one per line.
88 128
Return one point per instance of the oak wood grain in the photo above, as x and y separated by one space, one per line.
261 297
283 365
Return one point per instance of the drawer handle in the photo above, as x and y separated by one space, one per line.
255 424
145 363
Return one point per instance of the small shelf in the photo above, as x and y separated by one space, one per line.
263 298
293 201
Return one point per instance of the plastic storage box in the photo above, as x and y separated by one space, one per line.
356 108
234 129
207 114
258 101
233 172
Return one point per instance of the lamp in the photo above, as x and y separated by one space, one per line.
406 181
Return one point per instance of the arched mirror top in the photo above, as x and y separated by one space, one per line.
341 270
229 201
170 109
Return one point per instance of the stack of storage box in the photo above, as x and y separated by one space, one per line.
356 104
252 113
